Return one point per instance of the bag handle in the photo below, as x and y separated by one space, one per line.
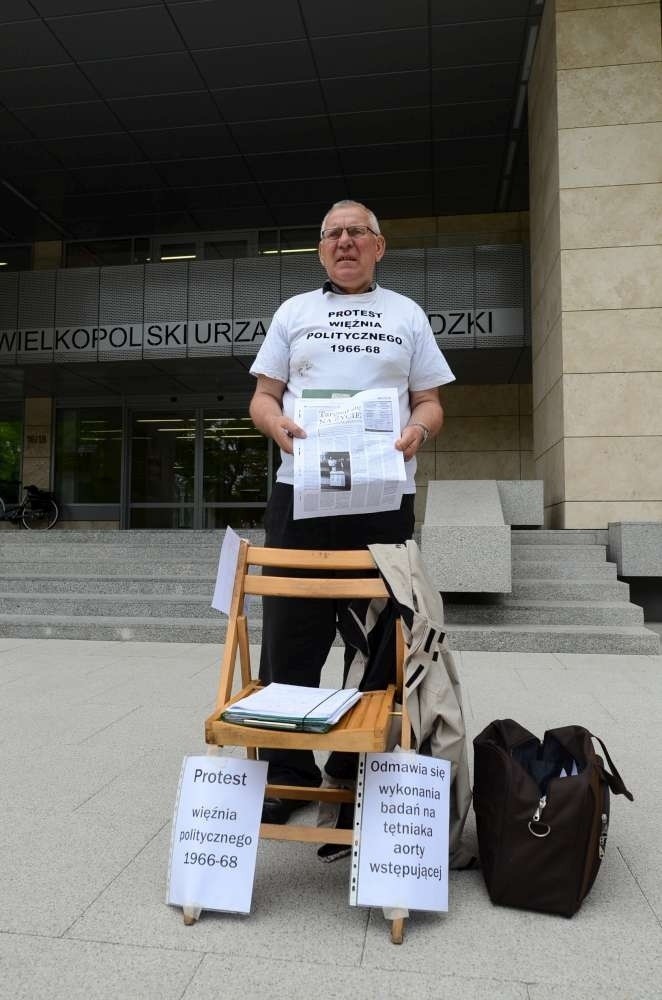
614 779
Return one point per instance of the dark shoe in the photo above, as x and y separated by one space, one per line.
333 852
280 810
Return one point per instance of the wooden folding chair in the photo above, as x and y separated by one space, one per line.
365 728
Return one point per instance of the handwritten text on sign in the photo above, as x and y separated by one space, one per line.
215 833
400 856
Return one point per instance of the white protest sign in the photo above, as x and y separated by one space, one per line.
227 568
215 833
400 853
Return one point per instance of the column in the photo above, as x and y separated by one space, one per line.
37 437
595 125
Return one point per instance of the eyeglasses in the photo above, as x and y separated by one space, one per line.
354 232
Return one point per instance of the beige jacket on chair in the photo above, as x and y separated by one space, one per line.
431 681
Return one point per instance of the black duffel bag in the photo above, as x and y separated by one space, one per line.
542 814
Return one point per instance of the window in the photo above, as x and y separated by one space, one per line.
235 460
271 241
178 251
141 250
11 436
15 258
88 455
107 253
222 249
98 253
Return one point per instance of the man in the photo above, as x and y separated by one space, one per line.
306 347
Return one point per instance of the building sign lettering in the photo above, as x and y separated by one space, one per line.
451 323
116 341
191 338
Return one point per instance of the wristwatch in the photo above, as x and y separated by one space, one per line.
426 430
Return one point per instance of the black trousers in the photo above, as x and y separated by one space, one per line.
297 633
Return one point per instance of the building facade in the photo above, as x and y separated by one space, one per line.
124 363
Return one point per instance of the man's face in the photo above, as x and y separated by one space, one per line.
350 262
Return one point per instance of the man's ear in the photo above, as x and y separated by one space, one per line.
381 248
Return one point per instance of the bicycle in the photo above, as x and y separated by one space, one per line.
37 511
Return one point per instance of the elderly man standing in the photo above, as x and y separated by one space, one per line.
297 635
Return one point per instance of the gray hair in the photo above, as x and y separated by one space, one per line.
345 203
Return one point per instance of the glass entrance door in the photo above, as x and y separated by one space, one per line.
162 491
235 471
196 468
11 440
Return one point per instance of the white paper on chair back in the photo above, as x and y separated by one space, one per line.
215 833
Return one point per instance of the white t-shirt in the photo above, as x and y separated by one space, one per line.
373 340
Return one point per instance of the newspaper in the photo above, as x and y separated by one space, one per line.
348 462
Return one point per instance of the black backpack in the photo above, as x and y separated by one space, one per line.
542 814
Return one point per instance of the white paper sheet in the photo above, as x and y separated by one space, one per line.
400 850
215 833
348 462
227 568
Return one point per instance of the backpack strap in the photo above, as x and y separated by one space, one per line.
614 779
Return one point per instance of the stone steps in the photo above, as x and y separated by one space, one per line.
574 554
550 536
578 589
558 569
124 539
162 606
507 638
105 555
75 568
156 585
521 612
630 640
50 584
107 627
565 598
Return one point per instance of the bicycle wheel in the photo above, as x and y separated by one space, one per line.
39 515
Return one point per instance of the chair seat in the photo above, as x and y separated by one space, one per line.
363 729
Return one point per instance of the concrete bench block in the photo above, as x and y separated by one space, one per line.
463 501
636 547
464 541
468 559
522 501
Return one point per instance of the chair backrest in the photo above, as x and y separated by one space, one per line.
355 576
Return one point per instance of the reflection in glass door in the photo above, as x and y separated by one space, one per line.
162 470
196 469
235 471
11 439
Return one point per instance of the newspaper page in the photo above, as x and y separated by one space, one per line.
348 463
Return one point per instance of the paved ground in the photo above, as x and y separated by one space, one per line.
92 737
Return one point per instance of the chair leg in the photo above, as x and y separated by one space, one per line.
397 930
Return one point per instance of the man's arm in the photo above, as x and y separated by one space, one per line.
266 412
426 409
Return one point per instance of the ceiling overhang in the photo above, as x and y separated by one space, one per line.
122 117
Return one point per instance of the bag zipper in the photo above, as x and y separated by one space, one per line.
535 819
602 841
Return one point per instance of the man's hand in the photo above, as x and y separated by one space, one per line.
282 429
410 440
266 412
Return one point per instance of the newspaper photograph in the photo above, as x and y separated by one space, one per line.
348 462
